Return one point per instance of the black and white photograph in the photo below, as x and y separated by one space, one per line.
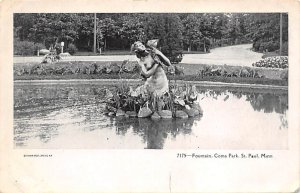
151 80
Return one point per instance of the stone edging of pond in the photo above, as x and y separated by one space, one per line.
137 81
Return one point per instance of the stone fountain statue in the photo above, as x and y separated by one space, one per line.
151 62
154 98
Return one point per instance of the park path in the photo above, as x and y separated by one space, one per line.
78 58
238 55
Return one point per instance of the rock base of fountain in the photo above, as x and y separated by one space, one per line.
177 103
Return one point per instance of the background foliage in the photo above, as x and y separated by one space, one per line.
176 31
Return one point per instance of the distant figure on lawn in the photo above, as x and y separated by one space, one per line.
151 62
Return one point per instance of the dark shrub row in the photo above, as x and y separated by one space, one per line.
27 48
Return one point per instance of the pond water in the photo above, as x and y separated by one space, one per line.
71 116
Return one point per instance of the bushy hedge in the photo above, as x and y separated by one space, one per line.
27 48
266 46
261 46
24 48
39 46
273 62
72 49
285 49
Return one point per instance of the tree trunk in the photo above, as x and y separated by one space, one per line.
280 41
95 34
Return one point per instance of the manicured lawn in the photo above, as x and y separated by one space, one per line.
270 54
194 52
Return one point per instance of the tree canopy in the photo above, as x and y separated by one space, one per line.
176 31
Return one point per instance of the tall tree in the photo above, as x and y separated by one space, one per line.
23 22
265 30
53 27
168 29
132 28
121 29
173 43
191 33
85 31
108 29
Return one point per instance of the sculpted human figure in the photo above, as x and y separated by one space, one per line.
151 62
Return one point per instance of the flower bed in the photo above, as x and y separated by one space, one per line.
242 72
273 62
130 70
64 68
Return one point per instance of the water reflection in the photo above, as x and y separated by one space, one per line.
154 132
267 102
71 116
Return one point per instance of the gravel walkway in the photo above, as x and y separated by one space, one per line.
239 55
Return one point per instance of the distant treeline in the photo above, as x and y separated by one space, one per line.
176 31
